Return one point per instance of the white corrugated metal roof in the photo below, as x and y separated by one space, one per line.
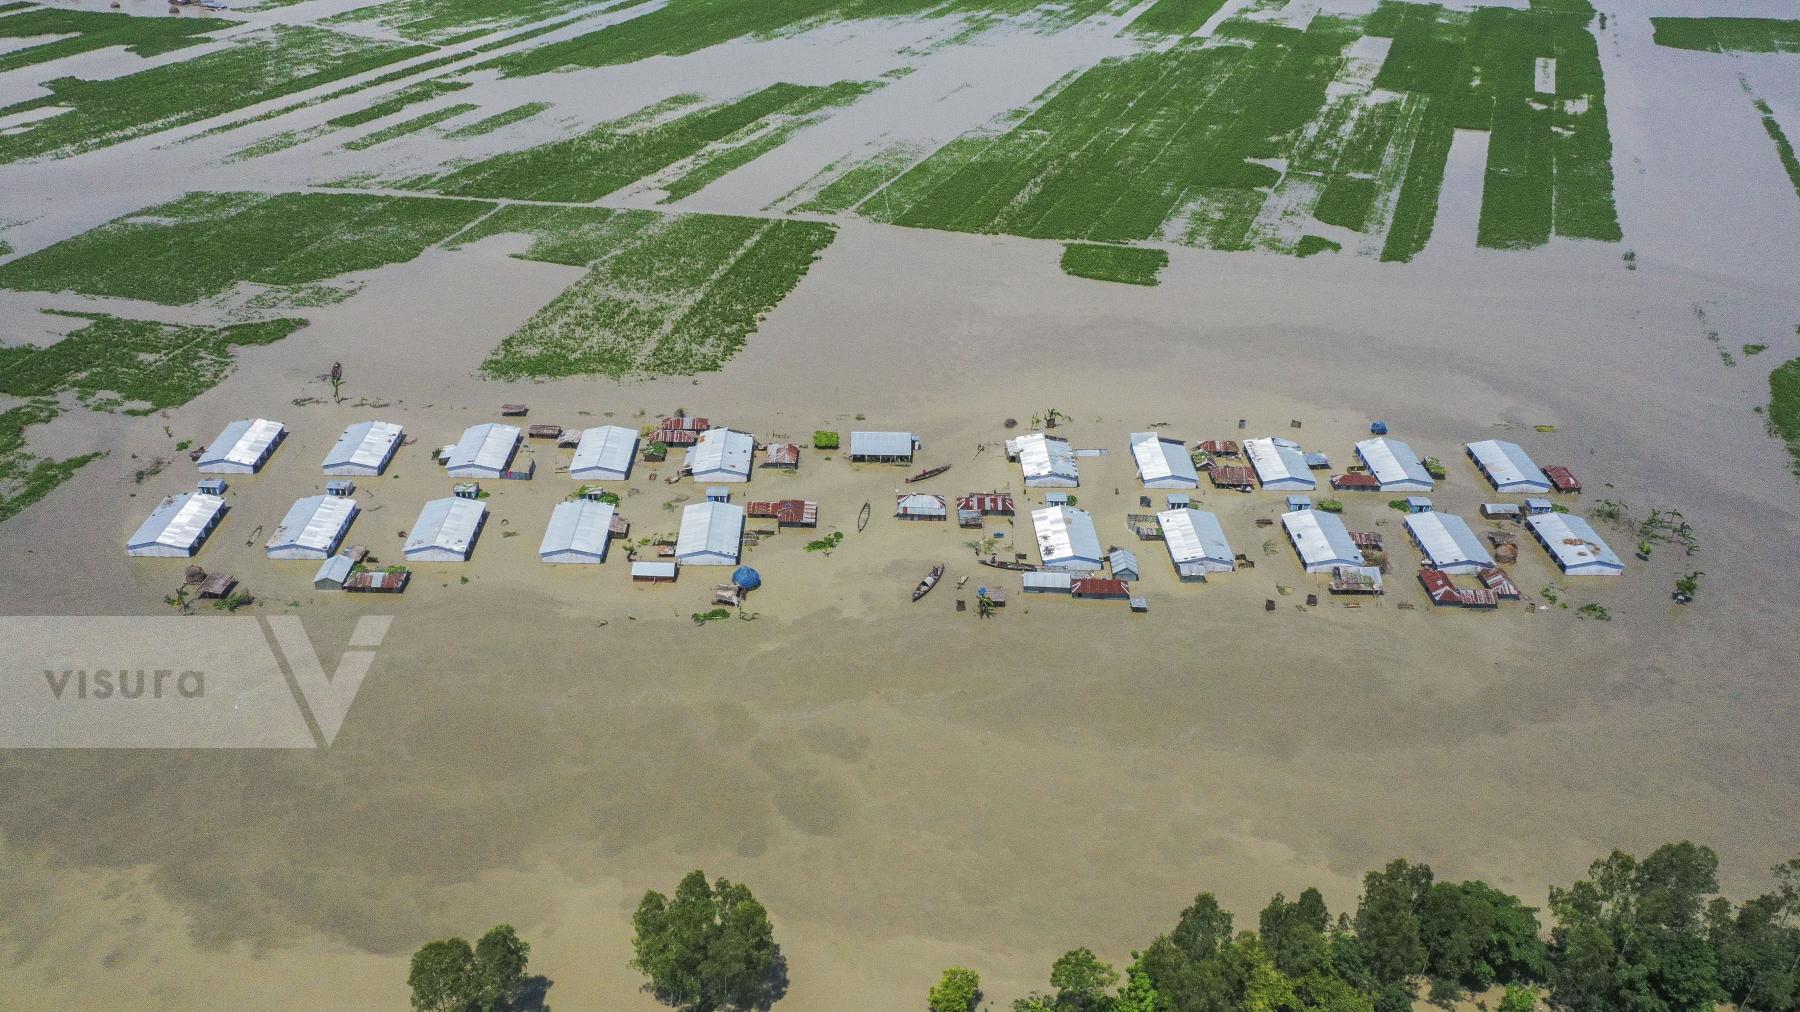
1163 463
580 527
881 444
657 570
1395 465
1321 540
314 523
1122 557
487 447
604 451
365 445
1578 549
243 443
334 570
920 504
721 455
178 522
1065 535
710 529
1042 457
1508 466
1195 536
1279 463
1046 581
446 525
1448 542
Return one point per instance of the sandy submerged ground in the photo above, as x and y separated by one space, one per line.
906 786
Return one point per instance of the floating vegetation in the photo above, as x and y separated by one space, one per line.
256 67
1310 244
25 477
1129 265
666 295
220 239
517 114
1728 35
411 126
88 31
826 543
142 363
616 154
679 27
1784 408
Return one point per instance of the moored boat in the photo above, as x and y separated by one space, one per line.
930 581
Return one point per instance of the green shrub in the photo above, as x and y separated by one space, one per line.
825 439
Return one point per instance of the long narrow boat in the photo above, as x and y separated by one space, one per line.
1017 567
930 581
862 518
930 472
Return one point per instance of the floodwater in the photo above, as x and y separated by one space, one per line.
904 785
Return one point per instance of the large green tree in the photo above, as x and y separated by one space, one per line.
1294 933
450 976
1757 948
958 990
709 947
1631 935
499 967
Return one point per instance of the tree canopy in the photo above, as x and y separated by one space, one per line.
450 976
709 947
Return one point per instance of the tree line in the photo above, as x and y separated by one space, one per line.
1649 935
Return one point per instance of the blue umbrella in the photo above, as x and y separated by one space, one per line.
1379 428
745 578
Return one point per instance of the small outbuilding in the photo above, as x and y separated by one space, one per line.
333 573
712 534
604 453
1123 563
1501 511
484 451
1321 540
578 533
645 571
1280 464
1097 589
1047 461
446 530
1394 465
919 506
1163 462
883 447
1066 539
1045 583
364 449
721 455
177 527
313 528
1448 543
1507 466
242 447
783 455
1196 543
1573 543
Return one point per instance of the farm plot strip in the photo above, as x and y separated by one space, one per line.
1728 35
87 31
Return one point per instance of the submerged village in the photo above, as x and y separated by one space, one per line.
1042 533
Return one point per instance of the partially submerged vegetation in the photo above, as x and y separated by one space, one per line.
1784 408
1728 35
1784 148
505 118
423 121
665 295
87 31
138 366
1129 265
616 154
254 68
220 239
25 477
444 22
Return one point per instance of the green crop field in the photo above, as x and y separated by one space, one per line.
688 26
92 30
616 154
442 22
140 365
1728 35
412 94
203 244
1125 264
423 121
1784 149
254 68
505 118
855 182
761 137
1182 144
1784 408
25 477
1174 17
665 295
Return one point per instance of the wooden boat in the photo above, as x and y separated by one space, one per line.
930 472
930 581
862 518
1017 567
